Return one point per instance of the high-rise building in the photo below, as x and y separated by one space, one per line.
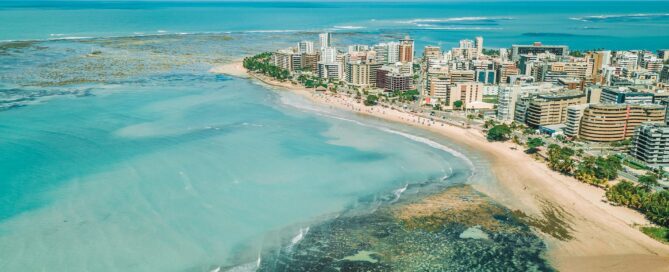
325 40
438 88
551 108
329 55
305 47
478 43
387 52
283 59
406 49
329 71
508 95
663 54
651 144
537 48
432 52
310 62
361 74
625 96
574 115
616 122
393 52
468 93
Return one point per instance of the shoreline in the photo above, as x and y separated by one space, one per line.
604 236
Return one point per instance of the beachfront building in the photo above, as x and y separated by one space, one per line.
616 122
650 144
406 48
438 88
551 108
283 59
362 73
508 95
310 62
397 82
537 48
331 71
573 123
468 93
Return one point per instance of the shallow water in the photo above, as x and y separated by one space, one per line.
179 172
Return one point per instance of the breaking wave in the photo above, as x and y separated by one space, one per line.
614 17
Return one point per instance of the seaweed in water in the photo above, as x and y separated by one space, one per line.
396 238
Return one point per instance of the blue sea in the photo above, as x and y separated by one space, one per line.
579 24
119 151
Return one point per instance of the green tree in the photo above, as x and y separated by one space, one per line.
499 133
489 123
656 207
560 158
457 104
533 145
371 100
648 180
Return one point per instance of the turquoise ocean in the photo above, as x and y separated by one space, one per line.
119 151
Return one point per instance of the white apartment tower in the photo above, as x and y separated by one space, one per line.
325 40
305 47
478 43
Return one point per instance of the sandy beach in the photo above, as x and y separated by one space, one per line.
604 237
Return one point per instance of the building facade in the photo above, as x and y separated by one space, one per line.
650 144
616 122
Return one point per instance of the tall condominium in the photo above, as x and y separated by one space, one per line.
478 43
406 49
467 93
387 52
537 48
329 55
616 122
325 40
432 52
551 108
651 144
305 47
574 115
625 95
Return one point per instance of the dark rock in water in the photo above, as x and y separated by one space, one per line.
425 235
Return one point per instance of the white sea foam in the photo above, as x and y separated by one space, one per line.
349 27
398 192
271 31
323 112
452 19
463 28
300 235
618 16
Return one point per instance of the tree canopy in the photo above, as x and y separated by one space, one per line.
499 133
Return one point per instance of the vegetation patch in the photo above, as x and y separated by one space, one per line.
658 233
552 222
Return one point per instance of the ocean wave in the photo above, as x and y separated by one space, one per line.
398 192
349 27
461 28
271 31
331 114
452 19
611 17
300 235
